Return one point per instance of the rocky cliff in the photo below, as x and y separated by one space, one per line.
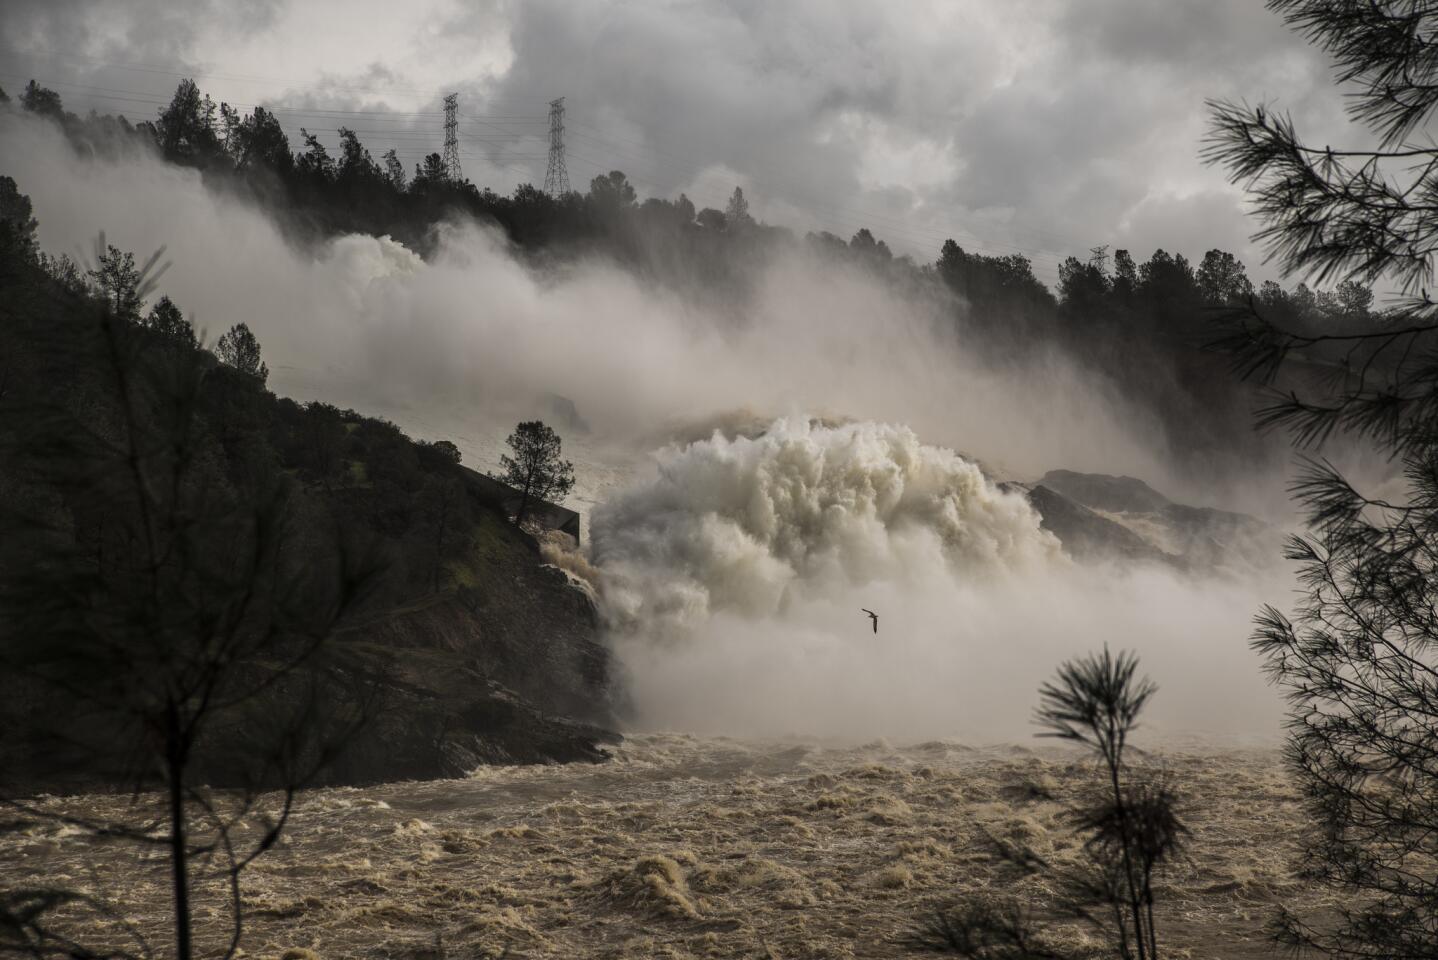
1099 517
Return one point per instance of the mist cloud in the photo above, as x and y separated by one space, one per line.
735 582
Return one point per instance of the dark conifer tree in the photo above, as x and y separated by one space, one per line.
535 469
186 128
1359 656
42 101
166 320
239 348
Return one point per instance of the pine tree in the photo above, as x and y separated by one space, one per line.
736 214
238 348
394 170
120 282
166 319
535 470
1359 656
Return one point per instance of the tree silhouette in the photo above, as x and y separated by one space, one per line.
611 193
1222 279
230 121
356 168
1125 278
429 174
1096 702
535 469
17 226
166 319
1131 830
187 637
736 213
238 348
864 244
42 101
260 143
684 209
120 282
1084 288
186 128
1359 657
315 164
393 169
712 219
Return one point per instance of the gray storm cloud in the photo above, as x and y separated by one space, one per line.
1037 127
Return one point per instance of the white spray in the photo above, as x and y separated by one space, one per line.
736 581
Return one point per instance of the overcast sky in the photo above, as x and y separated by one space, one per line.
1034 126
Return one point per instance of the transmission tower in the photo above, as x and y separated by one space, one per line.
556 180
451 139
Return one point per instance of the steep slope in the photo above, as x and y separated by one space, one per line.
468 646
1198 536
1086 535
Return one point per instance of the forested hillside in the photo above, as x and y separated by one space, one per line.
171 530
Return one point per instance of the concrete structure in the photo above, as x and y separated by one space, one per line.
501 496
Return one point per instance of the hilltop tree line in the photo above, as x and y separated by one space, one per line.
351 190
1139 324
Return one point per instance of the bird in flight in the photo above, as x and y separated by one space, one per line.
874 617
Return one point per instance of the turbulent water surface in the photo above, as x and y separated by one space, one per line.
689 847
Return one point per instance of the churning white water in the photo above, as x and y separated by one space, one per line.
734 581
804 514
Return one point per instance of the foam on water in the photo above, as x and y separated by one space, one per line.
803 513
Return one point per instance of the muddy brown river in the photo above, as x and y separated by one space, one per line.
685 847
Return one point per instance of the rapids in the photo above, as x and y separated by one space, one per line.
685 847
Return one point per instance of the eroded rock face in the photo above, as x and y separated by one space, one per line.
510 672
508 669
1099 491
1102 517
1086 535
438 731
